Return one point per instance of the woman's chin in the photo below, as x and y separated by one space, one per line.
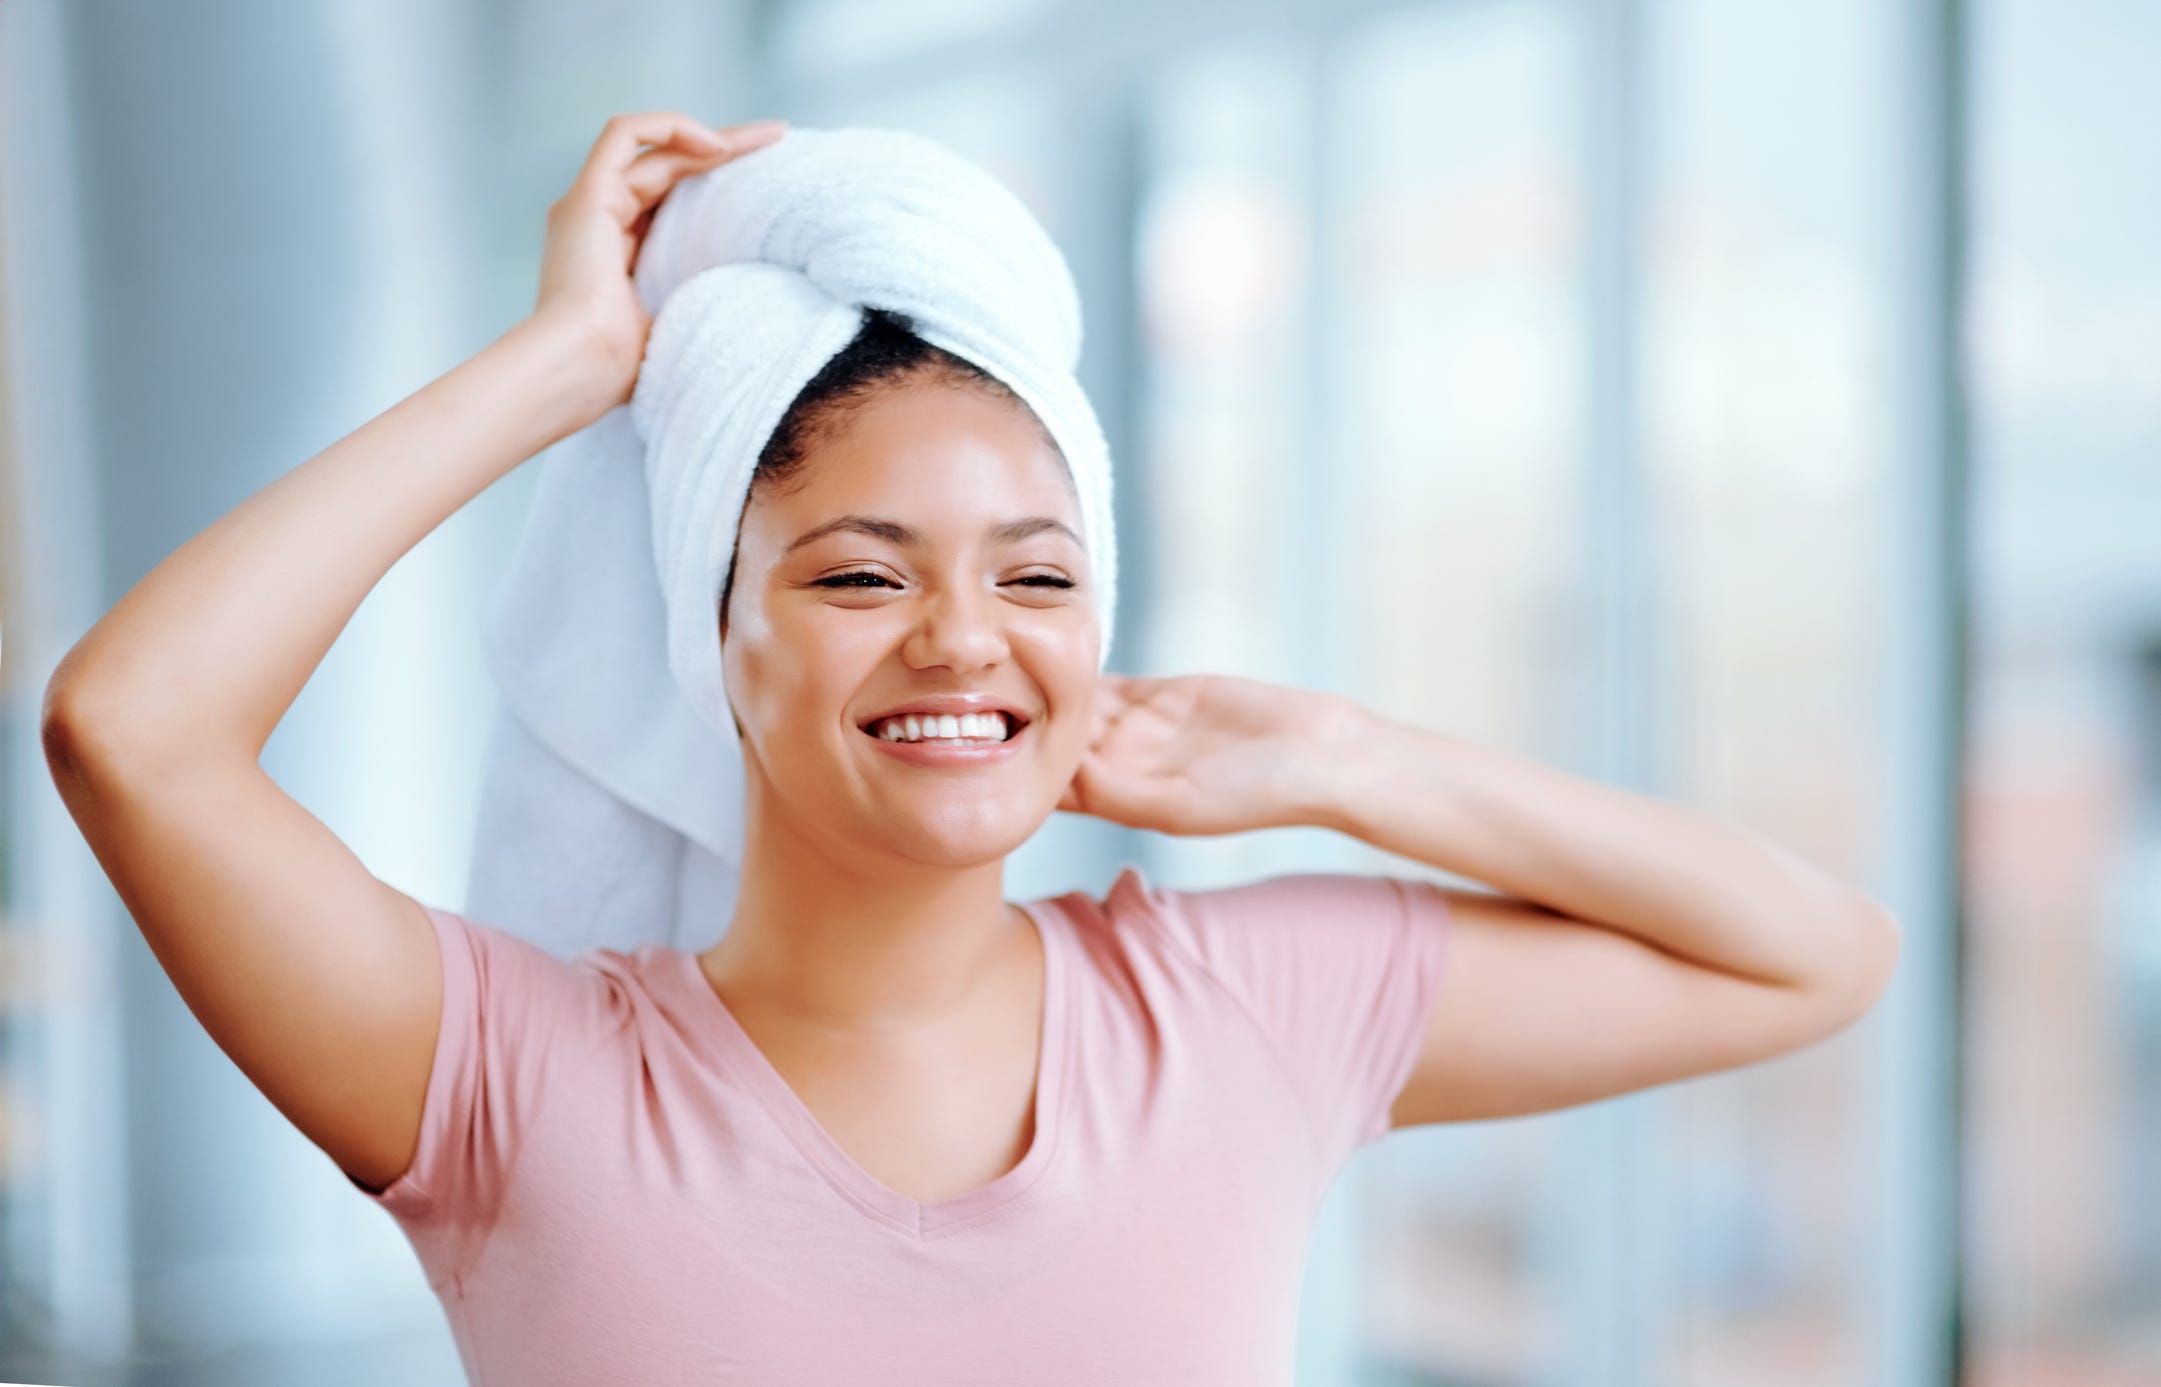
960 840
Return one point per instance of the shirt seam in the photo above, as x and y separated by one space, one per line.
463 1329
464 1266
1269 1046
1401 1065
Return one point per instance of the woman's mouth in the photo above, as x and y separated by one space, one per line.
967 739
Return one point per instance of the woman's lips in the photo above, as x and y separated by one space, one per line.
944 753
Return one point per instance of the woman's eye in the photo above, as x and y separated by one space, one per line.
847 580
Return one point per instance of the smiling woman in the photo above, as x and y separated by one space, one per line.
931 556
893 402
922 323
890 1126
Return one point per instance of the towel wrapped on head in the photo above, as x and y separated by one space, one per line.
611 811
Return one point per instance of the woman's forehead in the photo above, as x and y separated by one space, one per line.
948 470
930 433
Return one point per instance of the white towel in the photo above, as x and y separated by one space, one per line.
612 797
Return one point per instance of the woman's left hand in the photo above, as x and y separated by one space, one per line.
1209 753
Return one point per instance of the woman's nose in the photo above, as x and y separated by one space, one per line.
961 627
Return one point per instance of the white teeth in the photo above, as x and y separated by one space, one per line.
966 727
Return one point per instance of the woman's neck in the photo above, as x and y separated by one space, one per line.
864 946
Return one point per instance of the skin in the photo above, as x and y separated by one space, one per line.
1628 941
872 889
872 956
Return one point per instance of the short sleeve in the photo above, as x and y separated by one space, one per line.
514 1018
1339 970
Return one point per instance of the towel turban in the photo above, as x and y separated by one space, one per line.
611 808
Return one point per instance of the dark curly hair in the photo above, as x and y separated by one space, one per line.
884 353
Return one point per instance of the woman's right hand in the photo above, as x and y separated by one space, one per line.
596 228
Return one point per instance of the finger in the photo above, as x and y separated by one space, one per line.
623 135
620 137
752 134
654 172
620 140
1109 713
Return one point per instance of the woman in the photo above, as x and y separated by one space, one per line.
892 1125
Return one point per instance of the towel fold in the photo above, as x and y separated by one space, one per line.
611 808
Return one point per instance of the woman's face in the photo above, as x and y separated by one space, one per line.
920 552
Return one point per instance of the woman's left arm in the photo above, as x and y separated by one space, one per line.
1706 891
1634 941
1637 942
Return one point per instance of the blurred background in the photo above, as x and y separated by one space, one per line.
1755 404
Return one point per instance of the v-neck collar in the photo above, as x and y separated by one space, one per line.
720 1034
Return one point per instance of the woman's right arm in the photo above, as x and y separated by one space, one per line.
321 982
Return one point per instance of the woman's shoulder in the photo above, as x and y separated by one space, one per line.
1282 935
1134 898
540 990
1130 900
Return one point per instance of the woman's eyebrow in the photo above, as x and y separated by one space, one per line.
894 532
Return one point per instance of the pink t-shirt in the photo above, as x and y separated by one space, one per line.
613 1185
